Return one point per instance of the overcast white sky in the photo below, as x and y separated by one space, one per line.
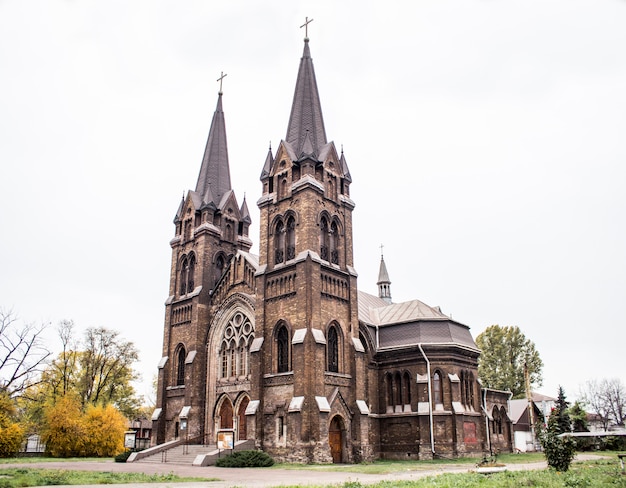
485 141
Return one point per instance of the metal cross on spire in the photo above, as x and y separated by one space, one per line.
381 251
306 27
222 76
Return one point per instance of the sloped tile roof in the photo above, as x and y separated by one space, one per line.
411 323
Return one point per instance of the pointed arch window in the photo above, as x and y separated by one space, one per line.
290 238
389 385
184 270
279 243
333 239
437 389
333 350
220 262
324 239
398 385
282 350
406 391
224 359
229 232
180 366
190 273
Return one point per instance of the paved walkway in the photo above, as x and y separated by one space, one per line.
262 477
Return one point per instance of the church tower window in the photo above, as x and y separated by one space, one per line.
282 350
333 238
333 350
279 243
184 270
219 268
180 367
190 273
290 238
324 239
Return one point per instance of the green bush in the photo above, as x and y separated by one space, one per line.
559 451
245 459
123 456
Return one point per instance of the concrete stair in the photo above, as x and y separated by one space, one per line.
182 454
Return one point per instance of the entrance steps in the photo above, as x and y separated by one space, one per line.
175 452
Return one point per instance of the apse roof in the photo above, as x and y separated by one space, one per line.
411 323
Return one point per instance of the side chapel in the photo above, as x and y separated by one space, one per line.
282 348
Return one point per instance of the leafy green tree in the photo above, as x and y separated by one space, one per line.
505 354
11 434
579 417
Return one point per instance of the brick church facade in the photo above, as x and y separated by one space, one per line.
282 348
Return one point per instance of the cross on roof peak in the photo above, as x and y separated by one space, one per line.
306 27
222 76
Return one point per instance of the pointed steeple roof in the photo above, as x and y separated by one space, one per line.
384 283
306 122
344 167
214 177
245 213
267 167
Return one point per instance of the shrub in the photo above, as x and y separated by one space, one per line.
123 456
11 434
64 432
559 451
105 427
245 459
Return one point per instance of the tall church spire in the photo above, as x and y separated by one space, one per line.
214 177
384 284
306 126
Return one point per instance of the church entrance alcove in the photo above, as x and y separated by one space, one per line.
226 414
335 438
241 419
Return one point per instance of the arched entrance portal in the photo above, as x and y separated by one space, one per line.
226 414
241 419
335 438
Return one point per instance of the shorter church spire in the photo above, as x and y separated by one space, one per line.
384 284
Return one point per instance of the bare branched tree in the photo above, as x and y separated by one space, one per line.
607 399
23 353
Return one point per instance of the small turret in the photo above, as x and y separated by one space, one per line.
384 284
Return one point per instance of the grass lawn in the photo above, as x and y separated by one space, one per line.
600 473
23 477
393 466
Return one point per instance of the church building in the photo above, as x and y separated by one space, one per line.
282 349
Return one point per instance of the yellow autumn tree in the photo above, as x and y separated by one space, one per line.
105 426
11 434
64 431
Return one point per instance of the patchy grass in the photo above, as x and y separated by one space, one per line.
603 472
394 466
24 477
45 459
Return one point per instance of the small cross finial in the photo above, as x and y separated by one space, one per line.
306 27
381 251
222 76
